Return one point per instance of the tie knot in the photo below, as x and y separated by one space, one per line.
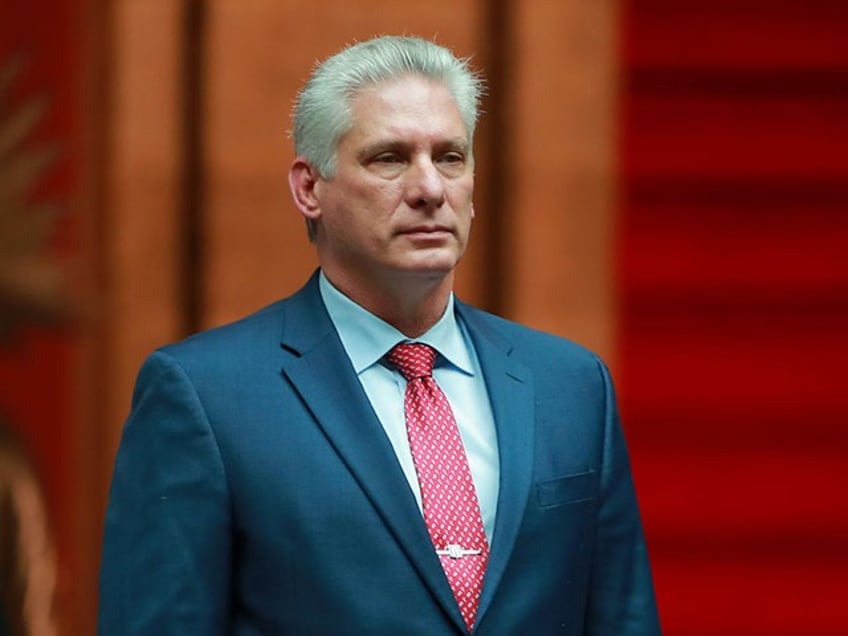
413 360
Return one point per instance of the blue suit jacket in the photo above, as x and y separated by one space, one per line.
255 492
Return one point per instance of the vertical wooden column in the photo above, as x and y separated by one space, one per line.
132 229
141 219
255 246
558 230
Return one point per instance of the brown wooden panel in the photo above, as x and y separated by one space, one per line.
558 242
141 221
131 233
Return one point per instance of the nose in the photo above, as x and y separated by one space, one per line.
425 187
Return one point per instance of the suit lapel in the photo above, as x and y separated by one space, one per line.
320 371
511 395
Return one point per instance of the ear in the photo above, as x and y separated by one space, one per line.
302 180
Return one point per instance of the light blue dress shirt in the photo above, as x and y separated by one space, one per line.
367 339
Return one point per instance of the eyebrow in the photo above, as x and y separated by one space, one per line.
384 145
381 146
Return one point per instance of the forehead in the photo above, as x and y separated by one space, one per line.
409 103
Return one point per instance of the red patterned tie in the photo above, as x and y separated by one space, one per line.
451 510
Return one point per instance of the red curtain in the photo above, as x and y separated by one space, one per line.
733 269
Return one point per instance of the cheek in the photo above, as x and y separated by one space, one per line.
375 199
462 203
361 216
462 192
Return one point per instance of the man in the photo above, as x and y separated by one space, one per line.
298 472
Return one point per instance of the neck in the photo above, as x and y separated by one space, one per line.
410 306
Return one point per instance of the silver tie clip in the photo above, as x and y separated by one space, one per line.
457 552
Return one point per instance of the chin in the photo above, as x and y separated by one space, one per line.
435 263
433 268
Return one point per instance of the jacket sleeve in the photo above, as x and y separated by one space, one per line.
621 597
167 542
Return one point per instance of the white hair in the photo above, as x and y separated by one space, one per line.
322 113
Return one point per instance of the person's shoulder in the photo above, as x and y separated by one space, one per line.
554 362
524 341
220 358
259 328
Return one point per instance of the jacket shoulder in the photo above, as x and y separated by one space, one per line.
259 329
526 343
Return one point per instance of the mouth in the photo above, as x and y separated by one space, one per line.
427 231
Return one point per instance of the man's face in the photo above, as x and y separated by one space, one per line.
399 204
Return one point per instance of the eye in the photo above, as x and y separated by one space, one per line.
452 158
452 163
387 158
387 164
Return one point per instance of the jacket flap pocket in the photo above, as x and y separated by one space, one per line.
568 489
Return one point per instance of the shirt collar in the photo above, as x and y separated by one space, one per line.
367 338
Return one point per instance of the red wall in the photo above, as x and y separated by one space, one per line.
733 277
36 377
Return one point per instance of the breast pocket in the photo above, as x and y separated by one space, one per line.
570 489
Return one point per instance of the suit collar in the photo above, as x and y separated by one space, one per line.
510 388
306 322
